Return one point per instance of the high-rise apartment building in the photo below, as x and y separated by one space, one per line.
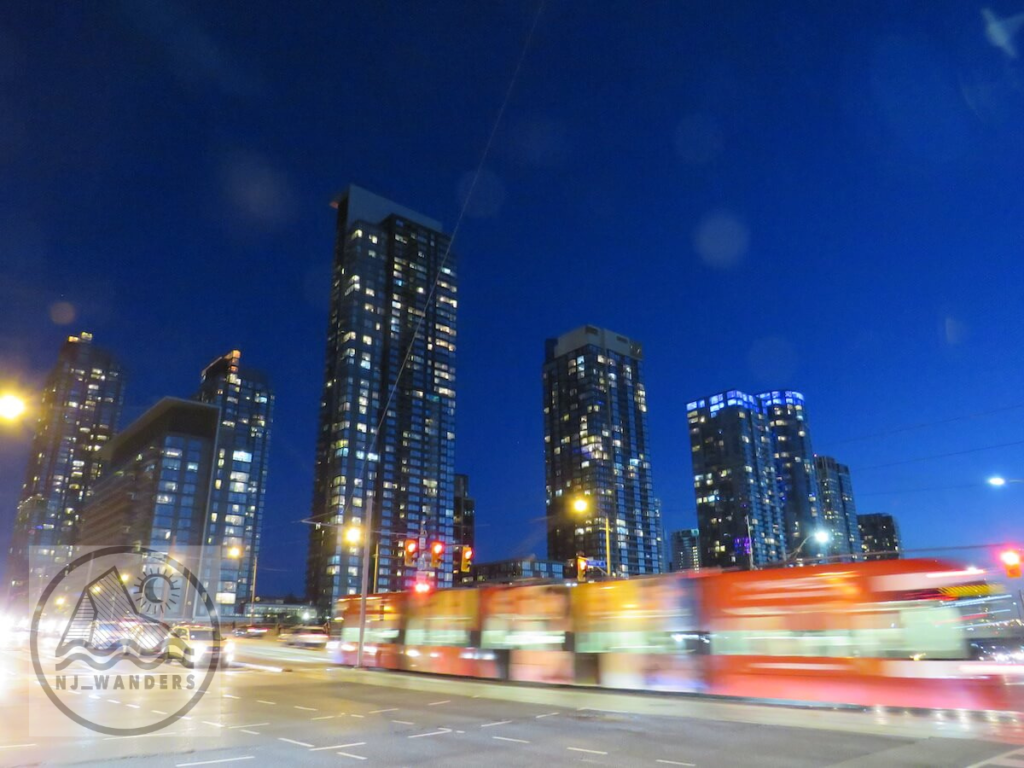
684 550
794 468
880 536
739 512
386 441
597 462
838 510
238 496
464 527
78 414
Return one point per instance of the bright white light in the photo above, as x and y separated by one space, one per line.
11 407
998 482
822 537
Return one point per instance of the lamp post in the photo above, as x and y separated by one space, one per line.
999 482
821 536
580 506
11 407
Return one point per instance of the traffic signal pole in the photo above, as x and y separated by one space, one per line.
365 580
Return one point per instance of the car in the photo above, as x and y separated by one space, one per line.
193 644
250 631
306 637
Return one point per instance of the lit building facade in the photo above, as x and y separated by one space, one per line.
238 496
684 550
596 453
390 365
838 509
518 569
739 512
880 536
78 415
794 469
464 527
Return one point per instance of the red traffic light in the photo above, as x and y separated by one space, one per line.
411 547
438 548
421 588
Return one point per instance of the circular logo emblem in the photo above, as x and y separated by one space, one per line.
126 624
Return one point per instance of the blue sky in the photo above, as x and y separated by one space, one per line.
793 196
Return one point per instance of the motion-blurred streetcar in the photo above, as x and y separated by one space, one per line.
893 633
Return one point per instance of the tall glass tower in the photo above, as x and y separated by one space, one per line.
386 442
598 467
78 414
838 510
739 512
237 499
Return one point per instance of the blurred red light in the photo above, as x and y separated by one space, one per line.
421 588
1010 557
438 547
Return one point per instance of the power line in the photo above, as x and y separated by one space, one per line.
925 424
941 455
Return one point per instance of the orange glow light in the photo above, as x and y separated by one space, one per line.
1010 557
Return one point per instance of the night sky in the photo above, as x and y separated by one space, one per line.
815 196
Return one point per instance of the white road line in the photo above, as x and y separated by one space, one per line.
251 733
293 741
500 722
210 722
432 733
261 701
381 711
133 706
549 714
93 696
158 712
339 746
403 722
306 709
211 762
323 717
113 701
359 716
249 725
588 751
505 738
435 703
673 762
354 757
230 696
17 746
186 717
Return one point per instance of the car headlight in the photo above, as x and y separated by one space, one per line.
198 649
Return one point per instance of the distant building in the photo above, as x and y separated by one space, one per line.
246 404
286 611
838 510
518 569
739 512
78 415
880 536
464 528
385 450
684 550
597 460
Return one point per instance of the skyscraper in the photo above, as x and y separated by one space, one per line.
794 467
597 463
246 404
838 510
78 414
684 550
387 417
880 536
465 526
739 512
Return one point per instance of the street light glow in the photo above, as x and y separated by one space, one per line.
998 482
11 407
234 552
822 537
353 535
580 505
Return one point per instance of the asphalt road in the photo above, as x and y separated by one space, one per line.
314 714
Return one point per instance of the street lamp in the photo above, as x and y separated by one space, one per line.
999 482
11 407
234 553
821 536
580 505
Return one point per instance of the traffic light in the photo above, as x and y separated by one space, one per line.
411 548
1011 562
436 551
581 568
421 588
467 559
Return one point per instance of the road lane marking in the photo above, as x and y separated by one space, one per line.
215 725
133 706
549 714
354 757
323 717
293 741
500 722
158 712
435 703
261 701
359 716
211 762
588 751
249 725
113 701
339 746
231 696
306 709
381 711
673 762
93 696
17 746
251 733
506 738
403 722
432 733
